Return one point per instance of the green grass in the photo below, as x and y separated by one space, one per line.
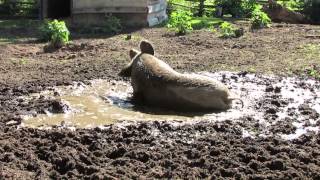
198 23
205 22
191 3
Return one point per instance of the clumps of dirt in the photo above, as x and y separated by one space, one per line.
158 150
19 51
13 108
284 127
306 110
278 105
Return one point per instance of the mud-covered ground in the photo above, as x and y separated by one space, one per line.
160 149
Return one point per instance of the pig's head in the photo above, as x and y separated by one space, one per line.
145 47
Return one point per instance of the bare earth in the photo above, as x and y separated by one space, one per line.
157 149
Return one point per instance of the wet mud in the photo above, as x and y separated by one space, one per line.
269 102
277 139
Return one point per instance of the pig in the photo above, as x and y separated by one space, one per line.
156 84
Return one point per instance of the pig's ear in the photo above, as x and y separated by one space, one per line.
146 47
133 53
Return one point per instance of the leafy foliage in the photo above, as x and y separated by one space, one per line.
293 5
56 32
259 18
180 22
312 71
230 6
26 8
248 6
237 8
227 30
112 25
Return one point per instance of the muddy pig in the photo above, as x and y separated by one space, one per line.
155 83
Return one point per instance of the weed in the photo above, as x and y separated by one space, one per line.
248 7
23 61
237 8
252 70
293 5
132 37
230 7
112 25
227 30
311 71
259 18
205 22
180 22
56 32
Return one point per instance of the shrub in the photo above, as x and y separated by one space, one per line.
56 32
237 8
259 18
112 25
248 6
312 10
293 5
232 7
180 22
227 30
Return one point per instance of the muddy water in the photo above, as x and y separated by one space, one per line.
100 103
268 101
104 102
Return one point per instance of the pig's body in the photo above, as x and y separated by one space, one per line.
155 83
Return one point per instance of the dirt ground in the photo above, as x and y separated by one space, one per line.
155 149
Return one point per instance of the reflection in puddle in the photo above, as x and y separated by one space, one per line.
106 102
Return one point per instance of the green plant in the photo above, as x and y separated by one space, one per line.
204 22
180 22
237 8
293 5
259 18
248 6
227 30
23 61
232 7
252 70
133 37
56 32
112 25
311 71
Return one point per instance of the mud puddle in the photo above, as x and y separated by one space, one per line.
288 106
